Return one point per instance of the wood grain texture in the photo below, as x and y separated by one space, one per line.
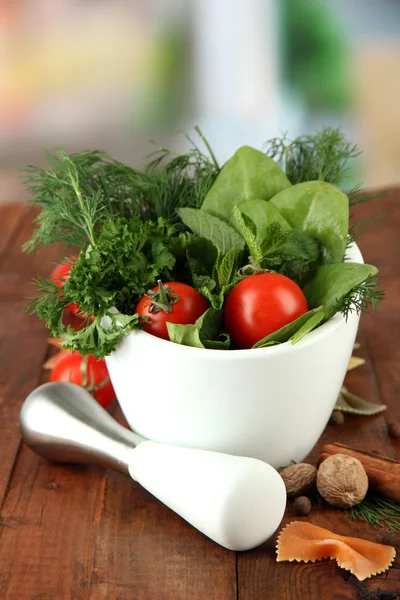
76 533
259 576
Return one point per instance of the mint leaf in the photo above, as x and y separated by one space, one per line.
217 231
249 232
227 268
273 237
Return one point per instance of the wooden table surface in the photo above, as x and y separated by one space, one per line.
84 533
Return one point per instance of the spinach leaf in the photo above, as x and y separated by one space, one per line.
333 282
285 333
208 226
203 334
248 175
308 326
263 213
321 210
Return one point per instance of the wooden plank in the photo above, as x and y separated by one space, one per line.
380 246
259 576
18 269
144 550
11 215
82 532
258 570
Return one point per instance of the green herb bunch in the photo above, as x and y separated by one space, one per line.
184 218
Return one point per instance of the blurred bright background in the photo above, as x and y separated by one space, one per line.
114 74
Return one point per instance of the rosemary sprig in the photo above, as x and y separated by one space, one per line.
323 156
361 297
378 512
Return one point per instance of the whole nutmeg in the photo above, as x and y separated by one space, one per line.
342 480
302 506
298 479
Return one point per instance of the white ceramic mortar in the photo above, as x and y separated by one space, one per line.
268 403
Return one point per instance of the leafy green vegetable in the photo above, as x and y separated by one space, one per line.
130 228
323 156
333 283
298 258
203 334
285 333
308 326
249 232
208 226
319 209
263 213
82 191
248 175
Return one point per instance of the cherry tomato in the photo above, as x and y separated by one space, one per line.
177 303
87 371
261 304
59 274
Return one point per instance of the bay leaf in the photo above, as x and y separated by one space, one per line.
352 404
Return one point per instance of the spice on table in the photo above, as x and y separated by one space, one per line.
383 472
394 430
342 481
302 506
337 418
299 479
302 541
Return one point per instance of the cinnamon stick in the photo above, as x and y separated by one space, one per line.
383 472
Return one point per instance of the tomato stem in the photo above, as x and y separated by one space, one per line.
162 299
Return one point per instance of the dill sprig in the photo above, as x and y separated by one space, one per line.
80 192
378 512
362 297
323 156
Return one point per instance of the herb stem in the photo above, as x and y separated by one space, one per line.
207 145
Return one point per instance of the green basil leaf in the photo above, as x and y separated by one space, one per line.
208 226
263 213
320 209
285 333
308 326
248 175
332 283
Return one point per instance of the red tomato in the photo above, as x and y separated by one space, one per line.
59 274
87 371
261 304
189 306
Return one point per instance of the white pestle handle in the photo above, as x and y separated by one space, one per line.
237 502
